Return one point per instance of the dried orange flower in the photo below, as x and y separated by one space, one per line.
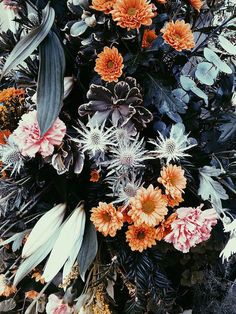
148 37
165 227
103 5
109 64
141 237
173 179
196 4
94 175
148 206
11 93
32 294
5 288
3 135
106 219
38 277
178 35
132 14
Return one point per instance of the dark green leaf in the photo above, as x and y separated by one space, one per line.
30 42
88 250
50 82
228 129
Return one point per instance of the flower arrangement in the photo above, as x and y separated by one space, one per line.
117 157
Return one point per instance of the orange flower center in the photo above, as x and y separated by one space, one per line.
106 217
140 235
178 36
148 206
110 64
132 11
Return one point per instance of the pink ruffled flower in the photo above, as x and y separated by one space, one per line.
191 227
55 306
27 136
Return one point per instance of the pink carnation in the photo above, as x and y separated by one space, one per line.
55 306
28 139
191 227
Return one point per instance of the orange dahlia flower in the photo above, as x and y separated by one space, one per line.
103 5
148 206
196 4
165 227
173 179
132 14
140 237
3 135
148 37
178 35
109 64
106 219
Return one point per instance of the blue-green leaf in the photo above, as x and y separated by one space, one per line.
211 56
187 83
227 45
206 73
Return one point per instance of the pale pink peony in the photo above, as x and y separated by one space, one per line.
27 136
191 227
55 306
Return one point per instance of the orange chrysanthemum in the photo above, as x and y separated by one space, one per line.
148 37
178 35
132 14
3 135
196 4
124 211
173 179
94 175
11 93
141 237
174 200
109 64
165 227
32 294
148 206
103 5
106 219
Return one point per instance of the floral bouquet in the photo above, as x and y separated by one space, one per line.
117 156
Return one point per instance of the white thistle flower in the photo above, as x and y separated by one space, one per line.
128 155
173 147
67 245
11 157
95 139
230 248
123 187
47 225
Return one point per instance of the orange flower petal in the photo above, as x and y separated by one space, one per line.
148 37
140 237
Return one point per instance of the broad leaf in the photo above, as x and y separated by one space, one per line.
181 94
206 73
7 305
88 249
228 129
227 45
187 83
78 28
50 82
26 46
197 91
211 56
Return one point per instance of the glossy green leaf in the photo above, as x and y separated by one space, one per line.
26 46
50 89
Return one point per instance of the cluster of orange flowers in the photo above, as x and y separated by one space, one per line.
146 211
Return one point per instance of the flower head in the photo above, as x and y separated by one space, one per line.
173 147
141 237
132 14
165 227
178 35
148 206
128 155
191 227
103 5
148 37
121 102
4 134
28 138
6 289
173 179
109 64
94 175
196 4
106 219
55 305
31 294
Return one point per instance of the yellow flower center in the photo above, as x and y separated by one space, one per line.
140 235
177 36
132 11
110 64
148 206
106 217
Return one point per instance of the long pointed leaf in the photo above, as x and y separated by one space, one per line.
26 46
50 81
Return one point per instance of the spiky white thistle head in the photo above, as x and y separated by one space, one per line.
173 147
95 139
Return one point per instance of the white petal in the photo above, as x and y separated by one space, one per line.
44 229
229 249
71 232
